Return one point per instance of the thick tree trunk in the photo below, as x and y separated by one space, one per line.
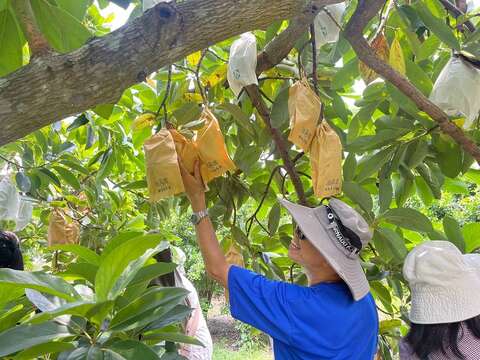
56 86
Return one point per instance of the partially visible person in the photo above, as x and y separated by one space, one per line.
10 253
196 325
334 317
445 312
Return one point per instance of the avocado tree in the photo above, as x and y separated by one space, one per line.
72 90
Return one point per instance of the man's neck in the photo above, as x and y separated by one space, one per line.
321 276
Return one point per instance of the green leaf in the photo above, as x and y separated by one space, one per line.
385 193
23 182
416 153
176 337
279 114
121 265
375 162
153 298
104 110
49 176
423 191
349 167
449 157
187 113
241 119
36 352
430 180
78 122
175 315
381 293
119 240
382 138
239 236
83 252
68 176
80 270
106 166
75 8
150 272
79 308
393 242
418 77
11 57
131 349
25 336
470 233
274 219
358 195
409 219
454 232
437 25
62 30
38 281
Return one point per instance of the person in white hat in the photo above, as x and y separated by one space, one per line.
445 310
335 317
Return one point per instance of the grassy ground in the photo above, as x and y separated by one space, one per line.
224 352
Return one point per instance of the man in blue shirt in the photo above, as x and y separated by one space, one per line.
335 316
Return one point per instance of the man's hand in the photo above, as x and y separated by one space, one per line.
194 186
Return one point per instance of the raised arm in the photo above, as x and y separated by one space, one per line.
213 257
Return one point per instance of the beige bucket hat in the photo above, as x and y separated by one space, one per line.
339 233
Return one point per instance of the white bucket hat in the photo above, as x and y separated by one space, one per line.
474 260
445 287
331 229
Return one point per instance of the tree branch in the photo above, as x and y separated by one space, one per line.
36 41
354 34
456 12
59 85
257 101
279 48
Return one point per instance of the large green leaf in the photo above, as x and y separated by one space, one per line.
122 264
81 251
279 113
470 233
171 336
63 31
358 195
389 243
35 352
131 349
85 309
374 163
25 336
38 281
152 271
409 219
153 298
274 219
437 25
11 43
454 232
75 8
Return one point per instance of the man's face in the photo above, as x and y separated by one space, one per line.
303 252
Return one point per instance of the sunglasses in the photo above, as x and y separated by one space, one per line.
299 233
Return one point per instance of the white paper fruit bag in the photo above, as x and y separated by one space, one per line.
242 63
457 90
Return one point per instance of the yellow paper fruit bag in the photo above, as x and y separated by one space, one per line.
62 229
186 150
163 172
304 108
326 161
214 158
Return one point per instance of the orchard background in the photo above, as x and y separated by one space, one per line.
71 89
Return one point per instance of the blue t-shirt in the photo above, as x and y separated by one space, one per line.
318 322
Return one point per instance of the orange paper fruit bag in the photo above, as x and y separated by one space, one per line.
326 161
62 229
304 111
186 150
214 159
163 172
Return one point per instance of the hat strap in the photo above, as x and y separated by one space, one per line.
346 238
